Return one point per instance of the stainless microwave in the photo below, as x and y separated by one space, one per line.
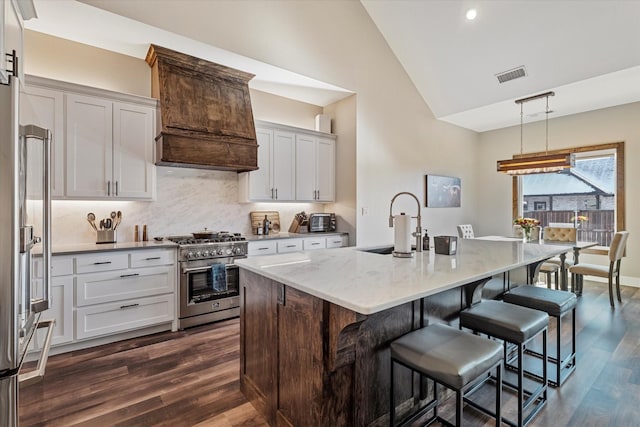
322 222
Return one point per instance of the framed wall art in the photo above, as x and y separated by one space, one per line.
442 191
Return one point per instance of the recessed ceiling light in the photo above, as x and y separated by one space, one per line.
471 14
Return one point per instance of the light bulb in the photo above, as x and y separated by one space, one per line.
471 14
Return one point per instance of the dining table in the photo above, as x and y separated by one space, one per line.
576 246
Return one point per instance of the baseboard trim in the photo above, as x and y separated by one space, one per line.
624 280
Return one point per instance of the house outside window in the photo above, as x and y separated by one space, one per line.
589 196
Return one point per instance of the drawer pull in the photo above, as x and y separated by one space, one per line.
291 246
130 275
102 262
262 249
152 258
316 243
122 307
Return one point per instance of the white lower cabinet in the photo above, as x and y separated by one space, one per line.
284 245
120 291
311 243
337 241
102 319
289 245
123 284
262 248
103 294
61 300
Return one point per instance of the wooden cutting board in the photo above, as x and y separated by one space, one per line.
257 219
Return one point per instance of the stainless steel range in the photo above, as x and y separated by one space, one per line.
209 280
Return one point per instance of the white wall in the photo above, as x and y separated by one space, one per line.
596 127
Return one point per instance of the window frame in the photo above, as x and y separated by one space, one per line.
620 191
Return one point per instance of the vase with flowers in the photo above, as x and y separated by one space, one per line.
527 225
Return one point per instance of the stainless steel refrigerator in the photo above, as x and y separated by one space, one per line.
25 246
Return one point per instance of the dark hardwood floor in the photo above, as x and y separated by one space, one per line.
191 378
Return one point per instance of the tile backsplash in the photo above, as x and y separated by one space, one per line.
187 200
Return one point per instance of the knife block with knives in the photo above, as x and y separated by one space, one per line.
300 223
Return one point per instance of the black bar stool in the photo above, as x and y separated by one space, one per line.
456 359
556 304
516 325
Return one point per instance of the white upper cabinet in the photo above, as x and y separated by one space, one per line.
274 179
133 170
326 170
315 168
44 107
103 140
283 166
294 165
109 149
89 147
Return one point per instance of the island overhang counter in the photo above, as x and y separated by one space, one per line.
315 326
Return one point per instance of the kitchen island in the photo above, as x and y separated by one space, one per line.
315 326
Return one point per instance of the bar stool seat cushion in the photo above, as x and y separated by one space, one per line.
553 302
447 355
506 321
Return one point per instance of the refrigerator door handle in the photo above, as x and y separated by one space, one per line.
33 131
38 374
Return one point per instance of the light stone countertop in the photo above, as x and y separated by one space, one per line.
78 248
368 283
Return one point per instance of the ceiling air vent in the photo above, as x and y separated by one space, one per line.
516 73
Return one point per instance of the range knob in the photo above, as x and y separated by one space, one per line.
198 254
237 250
205 254
188 255
228 251
219 251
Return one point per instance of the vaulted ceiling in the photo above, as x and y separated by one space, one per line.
588 52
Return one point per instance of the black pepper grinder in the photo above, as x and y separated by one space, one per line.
265 226
425 241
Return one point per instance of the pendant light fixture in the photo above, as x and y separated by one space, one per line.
526 165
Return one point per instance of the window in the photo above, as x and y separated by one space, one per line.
590 196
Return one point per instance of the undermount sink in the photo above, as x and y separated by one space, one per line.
382 250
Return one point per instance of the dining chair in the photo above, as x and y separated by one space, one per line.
560 234
616 250
465 231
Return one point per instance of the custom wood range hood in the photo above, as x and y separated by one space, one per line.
206 120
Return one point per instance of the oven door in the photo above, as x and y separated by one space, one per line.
206 285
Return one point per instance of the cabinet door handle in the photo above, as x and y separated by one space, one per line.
318 194
102 262
130 275
152 258
122 307
276 194
116 188
108 188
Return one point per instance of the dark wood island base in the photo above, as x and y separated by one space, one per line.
305 361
